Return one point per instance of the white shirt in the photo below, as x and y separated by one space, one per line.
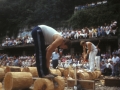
55 56
115 59
48 33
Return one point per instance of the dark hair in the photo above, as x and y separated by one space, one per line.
82 42
68 43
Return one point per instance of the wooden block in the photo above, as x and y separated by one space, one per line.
85 84
70 82
112 81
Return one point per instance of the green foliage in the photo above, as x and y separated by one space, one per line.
96 16
15 14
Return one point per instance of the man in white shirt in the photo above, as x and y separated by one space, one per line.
115 60
91 51
55 58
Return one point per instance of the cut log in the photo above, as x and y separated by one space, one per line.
12 69
92 75
3 67
87 84
72 74
66 72
32 70
83 75
55 71
61 70
0 86
59 83
112 81
43 84
17 80
98 73
2 74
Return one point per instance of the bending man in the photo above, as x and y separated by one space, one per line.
92 51
43 35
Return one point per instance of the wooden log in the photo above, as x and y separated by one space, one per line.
112 81
83 75
60 83
72 74
2 74
66 72
92 75
87 84
70 82
3 67
12 69
98 74
17 80
61 70
32 70
22 69
55 71
43 84
0 86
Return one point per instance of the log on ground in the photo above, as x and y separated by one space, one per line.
17 80
43 84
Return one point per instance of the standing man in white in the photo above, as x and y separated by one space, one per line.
55 57
91 51
97 59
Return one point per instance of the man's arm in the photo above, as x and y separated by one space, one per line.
51 48
89 48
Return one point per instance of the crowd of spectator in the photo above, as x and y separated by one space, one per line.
21 61
92 32
18 41
80 7
109 62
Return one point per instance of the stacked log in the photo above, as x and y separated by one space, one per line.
12 69
0 86
2 74
17 80
3 67
32 70
92 75
43 84
72 74
83 75
60 83
98 73
55 71
47 84
67 71
61 70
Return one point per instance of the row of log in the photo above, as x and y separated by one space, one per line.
21 78
68 72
